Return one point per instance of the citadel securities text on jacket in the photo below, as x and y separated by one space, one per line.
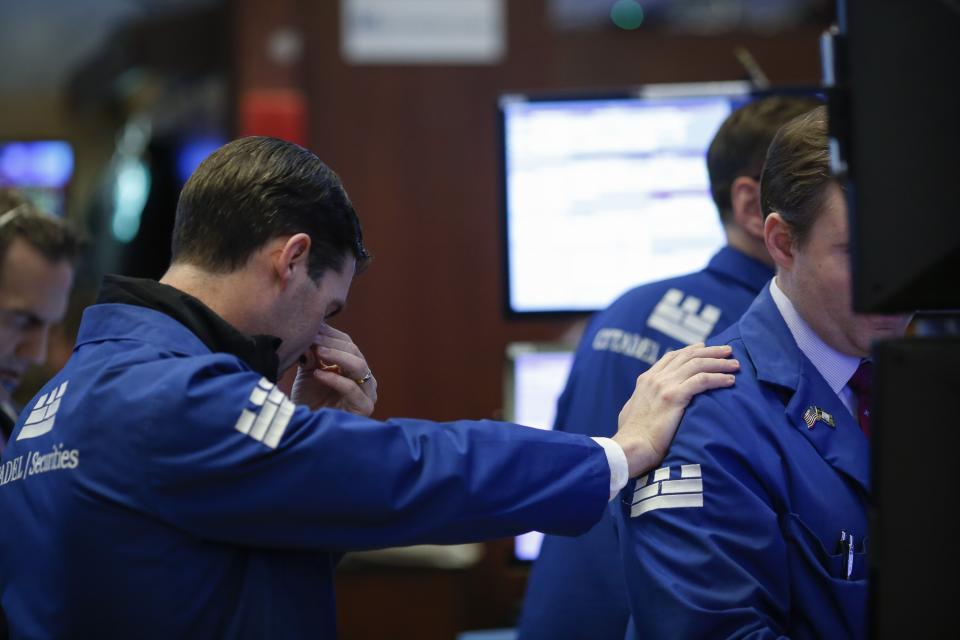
156 489
576 587
745 530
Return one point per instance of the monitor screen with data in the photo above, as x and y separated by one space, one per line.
601 194
533 381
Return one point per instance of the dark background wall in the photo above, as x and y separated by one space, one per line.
417 150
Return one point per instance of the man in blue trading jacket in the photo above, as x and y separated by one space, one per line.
37 256
756 525
162 486
576 587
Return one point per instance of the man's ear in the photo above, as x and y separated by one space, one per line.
779 240
745 201
293 256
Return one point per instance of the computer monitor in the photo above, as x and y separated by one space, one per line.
40 169
894 121
533 380
194 149
913 533
605 192
895 132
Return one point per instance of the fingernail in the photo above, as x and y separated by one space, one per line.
731 379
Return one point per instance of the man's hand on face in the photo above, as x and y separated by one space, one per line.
334 374
650 417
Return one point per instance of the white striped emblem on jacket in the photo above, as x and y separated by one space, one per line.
657 491
270 420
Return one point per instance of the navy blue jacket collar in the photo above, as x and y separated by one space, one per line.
778 361
735 265
218 335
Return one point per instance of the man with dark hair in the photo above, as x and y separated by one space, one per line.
576 588
218 226
37 255
756 525
164 487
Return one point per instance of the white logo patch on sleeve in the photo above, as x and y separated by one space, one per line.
41 419
657 491
267 423
685 319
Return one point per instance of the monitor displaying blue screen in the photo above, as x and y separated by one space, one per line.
534 379
194 150
604 193
40 169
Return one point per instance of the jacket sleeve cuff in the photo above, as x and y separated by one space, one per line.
617 459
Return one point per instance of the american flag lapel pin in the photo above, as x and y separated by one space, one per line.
813 415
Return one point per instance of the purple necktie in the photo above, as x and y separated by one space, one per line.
860 384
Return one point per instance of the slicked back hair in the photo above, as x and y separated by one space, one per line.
797 173
255 189
740 144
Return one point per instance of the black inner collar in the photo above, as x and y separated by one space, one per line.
259 352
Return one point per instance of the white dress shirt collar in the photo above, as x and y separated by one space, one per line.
835 367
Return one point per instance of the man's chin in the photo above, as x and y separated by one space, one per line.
288 362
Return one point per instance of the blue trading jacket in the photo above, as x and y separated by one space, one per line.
154 489
576 587
739 533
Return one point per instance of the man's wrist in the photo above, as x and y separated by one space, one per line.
641 457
